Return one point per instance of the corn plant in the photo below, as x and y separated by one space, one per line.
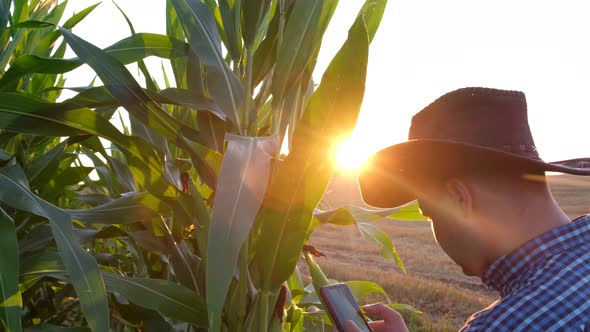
193 220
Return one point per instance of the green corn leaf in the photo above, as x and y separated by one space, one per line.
318 277
130 95
301 180
186 264
358 289
372 12
149 320
230 11
137 127
4 13
26 115
80 265
51 37
298 46
142 45
31 24
100 97
35 64
44 166
254 12
373 234
191 100
37 239
348 215
297 320
10 297
130 208
174 30
200 28
128 50
242 184
168 298
78 17
123 87
37 266
266 53
88 234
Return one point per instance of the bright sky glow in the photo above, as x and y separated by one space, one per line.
426 48
350 156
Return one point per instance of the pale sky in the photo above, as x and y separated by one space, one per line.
424 49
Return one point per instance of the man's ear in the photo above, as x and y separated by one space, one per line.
460 194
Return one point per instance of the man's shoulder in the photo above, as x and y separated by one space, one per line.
516 313
557 303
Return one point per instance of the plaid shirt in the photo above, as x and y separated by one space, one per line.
544 285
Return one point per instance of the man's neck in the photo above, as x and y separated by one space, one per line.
515 228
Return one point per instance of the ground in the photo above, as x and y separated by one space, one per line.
433 283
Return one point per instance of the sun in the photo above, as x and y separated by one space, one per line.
350 156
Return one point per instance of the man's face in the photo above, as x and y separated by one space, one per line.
450 229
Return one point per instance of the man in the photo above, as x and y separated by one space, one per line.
472 164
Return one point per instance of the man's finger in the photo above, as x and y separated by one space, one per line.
376 325
384 312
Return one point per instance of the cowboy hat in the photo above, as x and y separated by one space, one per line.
471 128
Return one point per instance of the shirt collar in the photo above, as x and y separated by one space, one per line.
508 271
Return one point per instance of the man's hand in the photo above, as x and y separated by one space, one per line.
391 321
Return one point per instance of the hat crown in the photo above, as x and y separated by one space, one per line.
485 117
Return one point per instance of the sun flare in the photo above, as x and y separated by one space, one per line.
350 156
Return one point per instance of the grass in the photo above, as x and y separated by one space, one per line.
433 283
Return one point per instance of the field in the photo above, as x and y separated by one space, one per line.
433 283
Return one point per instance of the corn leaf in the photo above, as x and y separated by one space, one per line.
82 267
130 95
174 30
26 115
126 51
4 13
373 234
240 191
372 12
124 88
130 208
201 31
168 298
297 320
254 12
100 97
298 46
10 297
149 320
45 166
78 17
266 52
230 11
358 289
301 180
348 215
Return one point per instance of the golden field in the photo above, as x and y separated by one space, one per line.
433 284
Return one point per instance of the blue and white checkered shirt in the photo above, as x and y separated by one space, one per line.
544 285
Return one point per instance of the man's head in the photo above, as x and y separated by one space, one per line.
476 216
472 164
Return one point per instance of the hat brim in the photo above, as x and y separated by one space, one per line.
388 179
